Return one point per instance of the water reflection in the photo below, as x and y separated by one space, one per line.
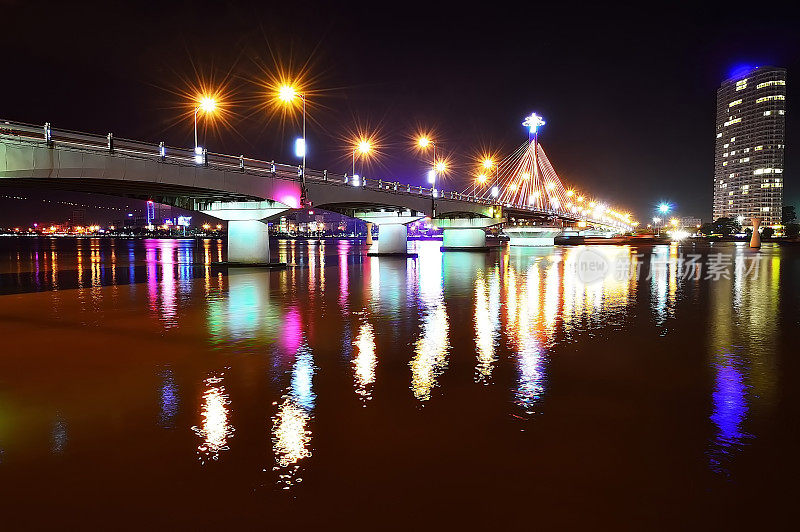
365 361
215 429
58 437
743 335
487 323
291 433
168 400
430 350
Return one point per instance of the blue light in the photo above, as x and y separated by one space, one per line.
664 208
740 70
300 147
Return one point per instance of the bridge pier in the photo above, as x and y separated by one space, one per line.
392 230
369 234
465 234
464 239
392 239
248 235
248 242
531 235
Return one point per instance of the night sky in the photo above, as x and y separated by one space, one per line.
628 92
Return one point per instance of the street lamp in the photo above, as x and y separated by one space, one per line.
364 147
287 94
423 142
208 105
664 208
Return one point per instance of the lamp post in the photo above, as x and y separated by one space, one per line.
423 142
208 105
287 95
364 147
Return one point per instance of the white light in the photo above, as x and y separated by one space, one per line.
495 192
431 176
198 154
533 122
356 180
300 147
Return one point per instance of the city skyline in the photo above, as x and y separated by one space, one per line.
591 134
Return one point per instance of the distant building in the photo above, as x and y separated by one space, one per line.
690 221
78 217
750 143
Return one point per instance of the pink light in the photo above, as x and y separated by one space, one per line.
291 201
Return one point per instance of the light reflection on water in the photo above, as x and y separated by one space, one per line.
525 305
215 429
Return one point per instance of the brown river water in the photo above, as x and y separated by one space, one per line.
144 386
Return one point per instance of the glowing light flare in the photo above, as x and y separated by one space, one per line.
207 104
364 147
423 142
488 163
287 93
533 122
481 178
441 166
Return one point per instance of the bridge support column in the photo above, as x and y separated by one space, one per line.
532 235
392 239
464 239
369 234
248 236
248 242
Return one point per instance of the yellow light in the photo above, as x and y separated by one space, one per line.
580 199
536 194
207 104
570 193
513 186
423 142
551 186
488 163
526 175
287 93
441 166
206 226
364 147
674 221
482 178
219 226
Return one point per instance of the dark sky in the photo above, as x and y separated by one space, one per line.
628 91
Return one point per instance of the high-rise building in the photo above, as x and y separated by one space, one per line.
748 156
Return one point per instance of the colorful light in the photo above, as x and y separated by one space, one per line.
533 122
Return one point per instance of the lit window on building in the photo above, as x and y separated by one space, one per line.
758 148
770 83
744 160
735 102
741 84
770 98
767 113
719 135
732 121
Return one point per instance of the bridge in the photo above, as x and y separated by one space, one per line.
246 192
